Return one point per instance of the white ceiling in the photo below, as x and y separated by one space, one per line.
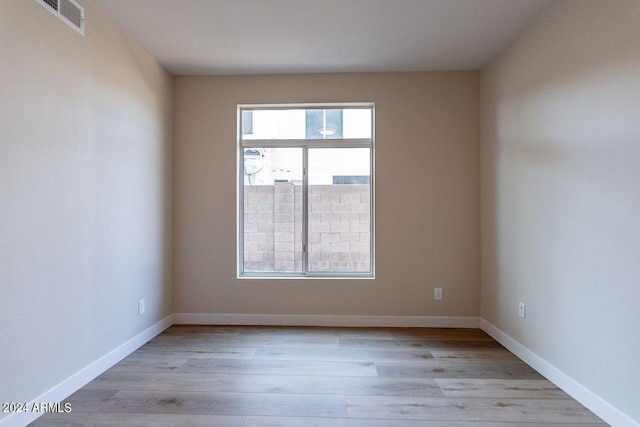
301 36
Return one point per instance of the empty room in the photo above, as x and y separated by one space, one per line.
328 213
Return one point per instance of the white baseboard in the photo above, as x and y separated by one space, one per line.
322 320
78 380
589 399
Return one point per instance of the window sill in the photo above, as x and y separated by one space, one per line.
307 277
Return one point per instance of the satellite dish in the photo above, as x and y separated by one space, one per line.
253 161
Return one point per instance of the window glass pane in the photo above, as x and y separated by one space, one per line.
339 210
324 124
272 210
275 124
357 123
247 122
334 123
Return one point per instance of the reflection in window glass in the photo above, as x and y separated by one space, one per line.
324 124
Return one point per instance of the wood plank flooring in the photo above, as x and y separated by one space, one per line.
321 377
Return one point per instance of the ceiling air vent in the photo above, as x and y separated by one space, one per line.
51 3
70 12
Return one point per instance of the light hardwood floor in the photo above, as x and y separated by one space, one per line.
303 377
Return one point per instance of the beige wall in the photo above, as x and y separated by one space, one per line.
85 217
427 234
560 125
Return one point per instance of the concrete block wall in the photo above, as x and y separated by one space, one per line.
339 220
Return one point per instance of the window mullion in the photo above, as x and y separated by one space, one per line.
305 207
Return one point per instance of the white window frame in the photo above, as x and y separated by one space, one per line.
304 144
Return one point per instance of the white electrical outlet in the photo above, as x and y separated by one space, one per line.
437 294
522 310
141 306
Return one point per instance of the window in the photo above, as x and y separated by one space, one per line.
305 190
